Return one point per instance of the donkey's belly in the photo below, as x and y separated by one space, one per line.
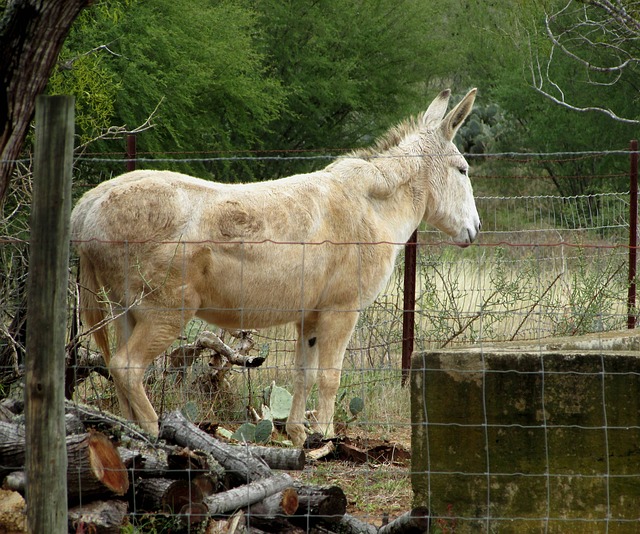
248 318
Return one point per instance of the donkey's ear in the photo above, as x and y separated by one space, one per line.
436 110
457 115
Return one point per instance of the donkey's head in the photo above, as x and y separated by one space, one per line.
450 206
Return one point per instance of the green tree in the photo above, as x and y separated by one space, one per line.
352 69
499 50
196 63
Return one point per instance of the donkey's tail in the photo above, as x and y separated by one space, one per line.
93 309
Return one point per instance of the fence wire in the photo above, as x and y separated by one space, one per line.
546 267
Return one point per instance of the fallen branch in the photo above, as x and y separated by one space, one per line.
415 521
207 340
237 461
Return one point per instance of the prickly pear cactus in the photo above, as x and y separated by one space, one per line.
263 431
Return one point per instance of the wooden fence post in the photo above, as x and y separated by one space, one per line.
47 287
633 234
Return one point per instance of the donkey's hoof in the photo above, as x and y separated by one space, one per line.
296 434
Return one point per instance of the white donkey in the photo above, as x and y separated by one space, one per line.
313 249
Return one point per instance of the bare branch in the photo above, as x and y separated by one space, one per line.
68 65
118 132
599 35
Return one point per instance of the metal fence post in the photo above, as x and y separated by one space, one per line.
633 234
47 287
409 306
132 152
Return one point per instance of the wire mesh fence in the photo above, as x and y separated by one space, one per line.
546 266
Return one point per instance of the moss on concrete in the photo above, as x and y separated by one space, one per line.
509 438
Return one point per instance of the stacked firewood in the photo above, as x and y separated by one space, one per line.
116 474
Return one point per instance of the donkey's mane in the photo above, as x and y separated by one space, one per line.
387 141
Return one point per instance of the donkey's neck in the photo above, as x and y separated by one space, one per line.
404 187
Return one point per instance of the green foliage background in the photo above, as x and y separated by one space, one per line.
232 77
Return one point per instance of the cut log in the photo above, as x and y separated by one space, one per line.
319 504
131 459
271 514
94 468
277 457
183 460
194 512
248 494
207 483
414 522
99 517
108 422
352 525
146 462
12 447
73 424
15 406
6 414
166 495
240 465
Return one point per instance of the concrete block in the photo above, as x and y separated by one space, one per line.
519 440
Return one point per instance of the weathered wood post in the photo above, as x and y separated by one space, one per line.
633 234
47 286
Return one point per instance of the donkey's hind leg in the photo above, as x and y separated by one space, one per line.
124 325
151 335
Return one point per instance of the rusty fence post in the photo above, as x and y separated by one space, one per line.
633 233
409 306
132 152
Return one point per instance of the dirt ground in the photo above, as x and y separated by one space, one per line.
373 473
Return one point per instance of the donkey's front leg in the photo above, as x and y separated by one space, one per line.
333 334
306 370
